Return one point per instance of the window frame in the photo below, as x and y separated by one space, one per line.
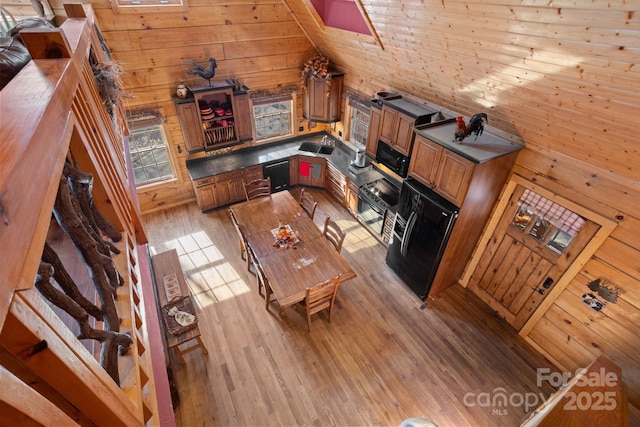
364 124
167 145
149 6
291 100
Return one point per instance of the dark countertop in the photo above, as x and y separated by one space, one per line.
341 158
485 148
409 108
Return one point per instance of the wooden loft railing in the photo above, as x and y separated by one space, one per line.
49 110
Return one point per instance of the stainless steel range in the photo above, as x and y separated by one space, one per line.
374 198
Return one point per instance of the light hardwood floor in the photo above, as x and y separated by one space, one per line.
380 361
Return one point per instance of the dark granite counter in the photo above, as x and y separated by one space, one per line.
481 150
341 158
409 108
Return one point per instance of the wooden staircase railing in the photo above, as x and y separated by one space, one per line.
49 110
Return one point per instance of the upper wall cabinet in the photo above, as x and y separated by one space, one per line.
215 116
322 98
375 117
449 167
399 116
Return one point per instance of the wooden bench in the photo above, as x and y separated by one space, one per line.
166 264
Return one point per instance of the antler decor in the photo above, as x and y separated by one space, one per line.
92 235
606 289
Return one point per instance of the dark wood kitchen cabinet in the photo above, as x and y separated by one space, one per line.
294 171
399 116
351 197
447 173
214 117
312 171
252 173
189 118
396 129
243 116
205 190
229 187
323 98
375 118
471 175
224 188
336 183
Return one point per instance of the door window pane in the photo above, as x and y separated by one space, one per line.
559 241
522 217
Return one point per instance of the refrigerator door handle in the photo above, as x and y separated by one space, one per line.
411 222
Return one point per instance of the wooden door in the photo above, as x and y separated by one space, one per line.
517 269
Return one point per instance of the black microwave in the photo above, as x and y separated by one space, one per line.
394 160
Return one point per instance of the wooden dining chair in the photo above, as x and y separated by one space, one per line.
263 283
307 203
245 253
258 188
321 297
333 233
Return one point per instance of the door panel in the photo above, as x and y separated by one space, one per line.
517 270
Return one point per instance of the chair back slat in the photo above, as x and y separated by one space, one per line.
321 297
333 233
258 188
307 203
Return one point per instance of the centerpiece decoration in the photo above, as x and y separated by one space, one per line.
284 236
316 67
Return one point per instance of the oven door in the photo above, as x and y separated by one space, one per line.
370 213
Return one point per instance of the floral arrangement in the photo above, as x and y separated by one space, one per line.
284 237
316 67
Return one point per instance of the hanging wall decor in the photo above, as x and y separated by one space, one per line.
605 288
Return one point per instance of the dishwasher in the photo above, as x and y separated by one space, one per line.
279 173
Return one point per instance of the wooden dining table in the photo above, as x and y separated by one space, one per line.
289 270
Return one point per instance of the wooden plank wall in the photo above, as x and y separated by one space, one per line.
258 42
561 77
563 80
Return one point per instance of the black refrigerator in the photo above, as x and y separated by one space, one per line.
421 230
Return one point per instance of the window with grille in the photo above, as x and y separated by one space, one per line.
134 6
273 118
546 221
150 156
359 126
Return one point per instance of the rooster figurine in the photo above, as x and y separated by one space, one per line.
476 125
205 73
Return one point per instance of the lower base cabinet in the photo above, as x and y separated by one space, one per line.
205 190
312 171
225 188
336 183
351 198
229 187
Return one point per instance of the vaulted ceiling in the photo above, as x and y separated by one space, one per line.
563 78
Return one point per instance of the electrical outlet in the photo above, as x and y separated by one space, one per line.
340 133
300 128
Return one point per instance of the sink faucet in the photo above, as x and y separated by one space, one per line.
324 140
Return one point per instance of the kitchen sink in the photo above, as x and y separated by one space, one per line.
326 149
313 147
